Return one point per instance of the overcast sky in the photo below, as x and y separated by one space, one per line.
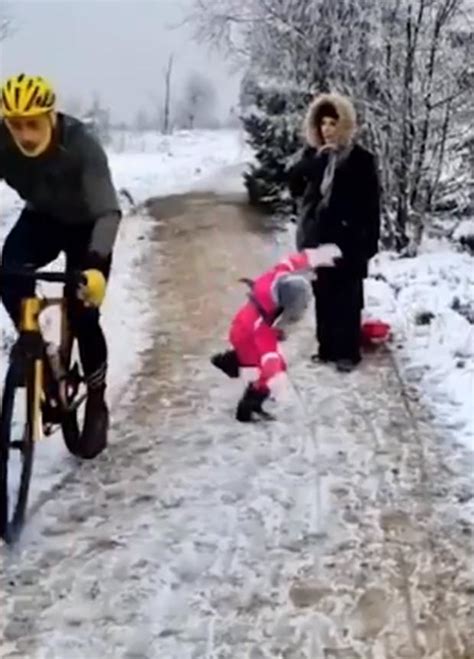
117 48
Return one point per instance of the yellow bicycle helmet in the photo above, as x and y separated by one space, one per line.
26 96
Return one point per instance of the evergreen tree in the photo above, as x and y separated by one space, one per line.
273 127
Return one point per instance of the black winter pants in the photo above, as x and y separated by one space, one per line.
36 240
339 302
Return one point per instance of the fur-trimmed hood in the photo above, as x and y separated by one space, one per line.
346 126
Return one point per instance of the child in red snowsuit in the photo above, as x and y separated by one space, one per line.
278 299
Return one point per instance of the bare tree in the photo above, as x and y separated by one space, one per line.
97 116
198 103
142 121
278 36
74 106
225 25
402 61
6 23
156 114
166 109
233 119
422 95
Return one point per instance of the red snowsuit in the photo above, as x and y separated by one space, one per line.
252 337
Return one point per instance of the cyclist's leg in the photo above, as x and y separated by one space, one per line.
85 325
85 321
34 241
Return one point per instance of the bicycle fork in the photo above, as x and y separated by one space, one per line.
32 348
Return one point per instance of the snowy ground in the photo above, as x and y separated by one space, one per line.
341 531
429 300
151 165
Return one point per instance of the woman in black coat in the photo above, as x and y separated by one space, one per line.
337 180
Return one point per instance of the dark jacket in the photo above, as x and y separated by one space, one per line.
351 219
70 182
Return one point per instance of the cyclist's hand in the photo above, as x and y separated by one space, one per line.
92 290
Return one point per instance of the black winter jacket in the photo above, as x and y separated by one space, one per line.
351 219
71 182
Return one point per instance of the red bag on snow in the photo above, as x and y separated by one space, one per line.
374 332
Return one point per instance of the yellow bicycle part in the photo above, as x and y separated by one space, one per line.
37 395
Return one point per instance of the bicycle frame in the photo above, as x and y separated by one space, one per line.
50 386
32 341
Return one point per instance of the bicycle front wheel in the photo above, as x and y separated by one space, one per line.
19 427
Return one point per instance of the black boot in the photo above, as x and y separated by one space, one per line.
346 365
227 362
251 403
96 423
321 357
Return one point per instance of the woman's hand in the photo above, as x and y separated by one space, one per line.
323 256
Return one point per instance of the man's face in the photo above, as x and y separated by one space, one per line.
328 130
31 134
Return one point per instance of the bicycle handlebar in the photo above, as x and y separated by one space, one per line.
72 278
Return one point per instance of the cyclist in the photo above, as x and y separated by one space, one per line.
61 171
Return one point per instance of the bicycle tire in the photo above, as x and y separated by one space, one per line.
10 528
72 430
69 424
71 433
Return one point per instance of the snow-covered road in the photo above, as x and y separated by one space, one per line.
342 531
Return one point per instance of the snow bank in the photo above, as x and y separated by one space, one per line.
430 302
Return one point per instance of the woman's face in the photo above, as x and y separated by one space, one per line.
328 130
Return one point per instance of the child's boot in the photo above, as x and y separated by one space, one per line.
227 362
251 403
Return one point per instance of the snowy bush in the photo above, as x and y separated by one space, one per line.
429 301
273 127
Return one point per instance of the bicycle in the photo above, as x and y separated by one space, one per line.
42 372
